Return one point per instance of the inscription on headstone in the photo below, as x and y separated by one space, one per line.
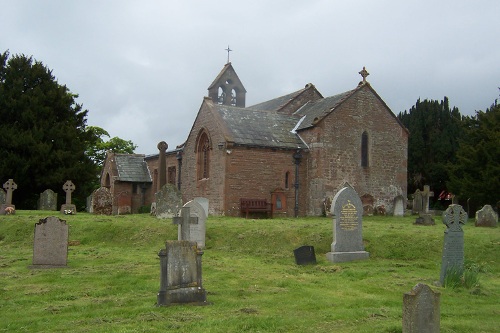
50 246
8 207
453 249
421 310
347 214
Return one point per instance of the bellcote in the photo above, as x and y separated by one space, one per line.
227 88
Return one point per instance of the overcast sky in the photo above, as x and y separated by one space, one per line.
141 68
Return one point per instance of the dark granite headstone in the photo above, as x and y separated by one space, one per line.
347 211
50 246
421 310
305 255
453 249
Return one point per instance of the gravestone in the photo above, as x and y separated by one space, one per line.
8 207
426 194
180 274
453 249
50 246
399 206
486 217
305 255
367 201
68 207
168 201
48 200
421 310
102 201
417 202
197 228
424 219
347 211
2 196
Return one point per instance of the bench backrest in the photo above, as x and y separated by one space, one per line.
253 203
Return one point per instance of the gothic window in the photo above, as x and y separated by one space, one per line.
203 156
364 150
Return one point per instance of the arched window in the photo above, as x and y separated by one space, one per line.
233 97
221 96
203 156
364 150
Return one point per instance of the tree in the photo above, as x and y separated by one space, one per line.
43 136
97 151
476 172
435 130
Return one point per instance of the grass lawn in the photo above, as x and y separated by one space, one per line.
250 275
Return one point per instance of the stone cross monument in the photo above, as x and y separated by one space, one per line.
8 207
184 221
68 207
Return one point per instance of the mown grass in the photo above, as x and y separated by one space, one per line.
249 273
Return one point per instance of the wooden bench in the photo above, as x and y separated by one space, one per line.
248 206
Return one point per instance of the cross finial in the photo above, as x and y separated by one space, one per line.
364 73
228 50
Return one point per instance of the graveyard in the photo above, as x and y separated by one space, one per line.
252 282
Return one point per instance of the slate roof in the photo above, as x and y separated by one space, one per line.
276 103
260 128
132 168
317 110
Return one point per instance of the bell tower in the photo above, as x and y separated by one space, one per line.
227 88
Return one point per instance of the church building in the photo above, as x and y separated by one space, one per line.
296 151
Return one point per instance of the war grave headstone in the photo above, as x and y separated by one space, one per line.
180 274
347 211
486 217
8 208
453 249
421 310
305 255
48 200
102 201
68 207
168 201
50 246
399 206
197 227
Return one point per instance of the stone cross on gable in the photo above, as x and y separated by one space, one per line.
364 73
454 217
184 221
68 187
9 186
426 194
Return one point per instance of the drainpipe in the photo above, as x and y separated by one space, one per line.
297 157
179 161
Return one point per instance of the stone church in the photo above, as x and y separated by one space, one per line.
296 151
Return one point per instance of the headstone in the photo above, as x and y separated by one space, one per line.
347 214
68 207
184 222
486 217
180 274
421 310
368 204
8 207
424 219
2 196
426 194
453 249
168 201
50 247
48 200
197 228
399 206
102 201
305 255
417 202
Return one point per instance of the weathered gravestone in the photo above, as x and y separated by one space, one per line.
8 207
399 206
48 200
424 219
486 217
50 246
305 255
68 207
2 196
347 211
180 274
168 201
426 195
102 201
197 226
453 249
417 202
421 310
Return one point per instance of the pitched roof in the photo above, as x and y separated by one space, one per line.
132 168
259 128
279 102
317 110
